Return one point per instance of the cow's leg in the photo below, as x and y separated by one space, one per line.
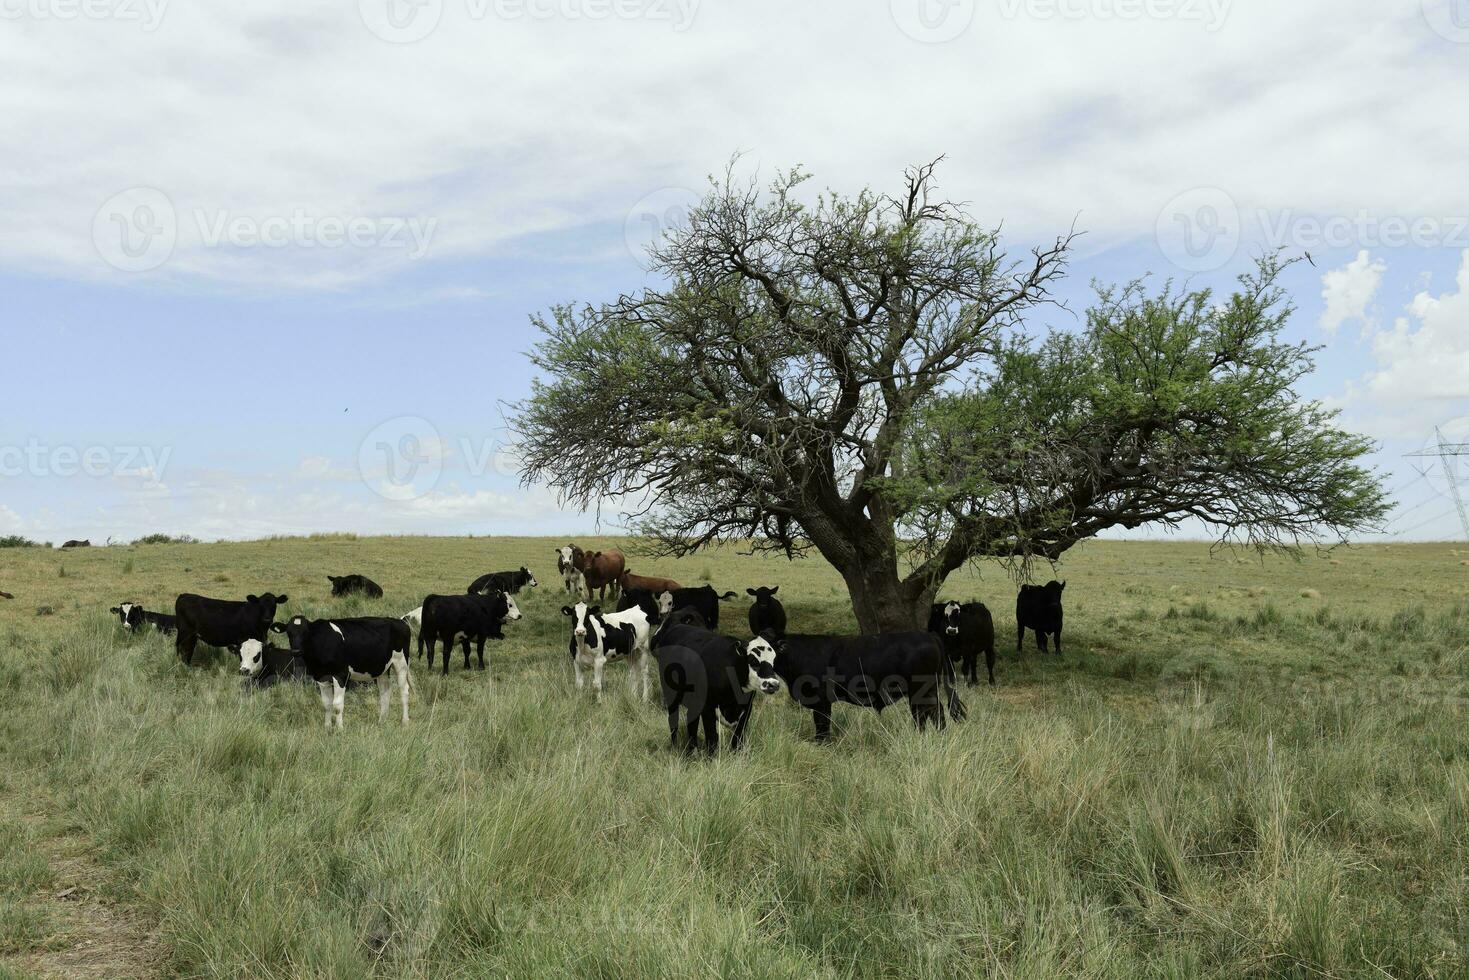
989 662
598 667
324 688
576 666
184 645
481 652
1040 640
711 731
464 644
691 739
400 668
1020 638
1058 642
673 727
821 714
430 649
339 700
384 693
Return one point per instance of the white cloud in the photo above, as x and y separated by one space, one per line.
1348 291
500 127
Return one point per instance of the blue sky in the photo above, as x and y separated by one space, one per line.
336 233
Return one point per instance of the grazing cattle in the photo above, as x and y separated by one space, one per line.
601 570
708 675
277 665
767 615
507 582
870 671
1038 607
220 622
966 629
77 544
464 617
597 637
334 651
132 616
654 584
348 584
568 562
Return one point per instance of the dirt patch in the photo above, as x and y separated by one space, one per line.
96 936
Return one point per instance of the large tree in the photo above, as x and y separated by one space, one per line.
850 375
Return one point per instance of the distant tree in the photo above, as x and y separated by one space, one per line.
167 539
16 541
849 376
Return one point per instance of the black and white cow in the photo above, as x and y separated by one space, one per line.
335 650
703 599
572 579
597 637
508 582
277 666
466 618
348 584
221 622
871 671
656 606
767 614
709 676
1038 607
966 628
133 617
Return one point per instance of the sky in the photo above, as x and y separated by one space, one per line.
270 268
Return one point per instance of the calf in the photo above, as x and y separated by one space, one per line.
77 544
767 615
601 570
348 584
220 622
132 616
507 582
654 584
568 562
336 650
966 629
277 665
598 637
708 675
871 671
1038 607
465 617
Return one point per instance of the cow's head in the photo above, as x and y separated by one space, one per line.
295 631
665 603
951 617
130 614
512 611
252 657
760 655
762 595
584 623
267 604
563 559
528 578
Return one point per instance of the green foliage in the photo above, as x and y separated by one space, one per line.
16 541
167 539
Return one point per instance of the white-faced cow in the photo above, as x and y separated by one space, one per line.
711 677
871 671
568 563
335 650
767 615
598 637
508 582
220 622
1038 607
349 584
966 628
464 618
134 617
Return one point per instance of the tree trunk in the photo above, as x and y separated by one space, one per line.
882 602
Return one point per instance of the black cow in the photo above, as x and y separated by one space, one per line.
132 616
508 582
966 629
870 671
767 614
77 544
465 617
348 584
220 622
6 595
704 600
1038 607
335 651
708 675
687 616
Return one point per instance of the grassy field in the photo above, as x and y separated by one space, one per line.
1238 768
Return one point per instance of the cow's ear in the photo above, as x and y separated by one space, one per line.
277 628
116 610
1063 586
775 590
234 648
595 610
252 598
567 611
749 592
282 599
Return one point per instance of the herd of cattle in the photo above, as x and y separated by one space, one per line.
703 674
